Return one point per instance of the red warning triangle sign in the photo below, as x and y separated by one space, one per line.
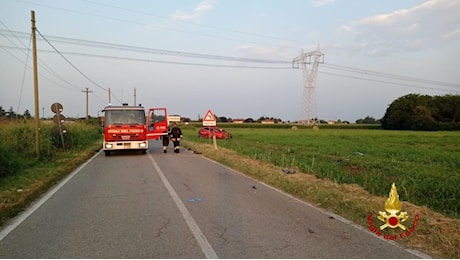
209 116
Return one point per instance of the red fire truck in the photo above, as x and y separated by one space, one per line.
128 128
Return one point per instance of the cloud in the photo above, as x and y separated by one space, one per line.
279 52
427 25
454 34
204 6
201 8
317 3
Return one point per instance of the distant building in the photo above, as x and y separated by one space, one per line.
238 121
267 121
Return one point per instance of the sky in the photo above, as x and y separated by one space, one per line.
234 57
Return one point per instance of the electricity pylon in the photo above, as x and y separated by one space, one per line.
309 80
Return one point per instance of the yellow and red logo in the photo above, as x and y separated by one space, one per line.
392 217
393 207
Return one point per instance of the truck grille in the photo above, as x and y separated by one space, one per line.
125 137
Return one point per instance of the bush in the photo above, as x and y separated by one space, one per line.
9 163
423 112
17 149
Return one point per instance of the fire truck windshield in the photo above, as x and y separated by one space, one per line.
124 117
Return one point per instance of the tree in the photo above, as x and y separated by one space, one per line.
27 114
423 120
423 112
222 119
262 118
2 112
447 108
367 120
10 114
399 113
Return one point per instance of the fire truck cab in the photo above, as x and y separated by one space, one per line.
128 128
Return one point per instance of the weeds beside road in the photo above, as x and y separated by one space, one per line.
23 176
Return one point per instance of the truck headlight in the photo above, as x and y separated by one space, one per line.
108 146
142 145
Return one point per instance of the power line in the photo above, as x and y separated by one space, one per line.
229 58
25 51
68 61
388 75
105 45
73 66
161 52
355 70
162 61
45 66
386 82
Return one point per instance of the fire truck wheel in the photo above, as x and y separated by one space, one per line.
107 153
143 151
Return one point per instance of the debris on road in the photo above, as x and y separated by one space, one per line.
193 200
288 171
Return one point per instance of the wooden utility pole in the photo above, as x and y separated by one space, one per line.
37 108
135 97
87 92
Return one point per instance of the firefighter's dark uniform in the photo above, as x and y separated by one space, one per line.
165 139
176 136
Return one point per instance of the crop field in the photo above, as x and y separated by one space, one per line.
425 166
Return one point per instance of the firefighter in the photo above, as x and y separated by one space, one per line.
176 136
165 139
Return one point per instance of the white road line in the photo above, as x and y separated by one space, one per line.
196 231
30 210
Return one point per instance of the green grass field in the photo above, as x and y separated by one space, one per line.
424 165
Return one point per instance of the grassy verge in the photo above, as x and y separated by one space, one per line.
24 177
436 234
19 190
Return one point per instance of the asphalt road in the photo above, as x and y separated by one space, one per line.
183 205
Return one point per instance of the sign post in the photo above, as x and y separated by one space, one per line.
210 120
59 118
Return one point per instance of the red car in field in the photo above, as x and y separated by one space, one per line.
209 131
